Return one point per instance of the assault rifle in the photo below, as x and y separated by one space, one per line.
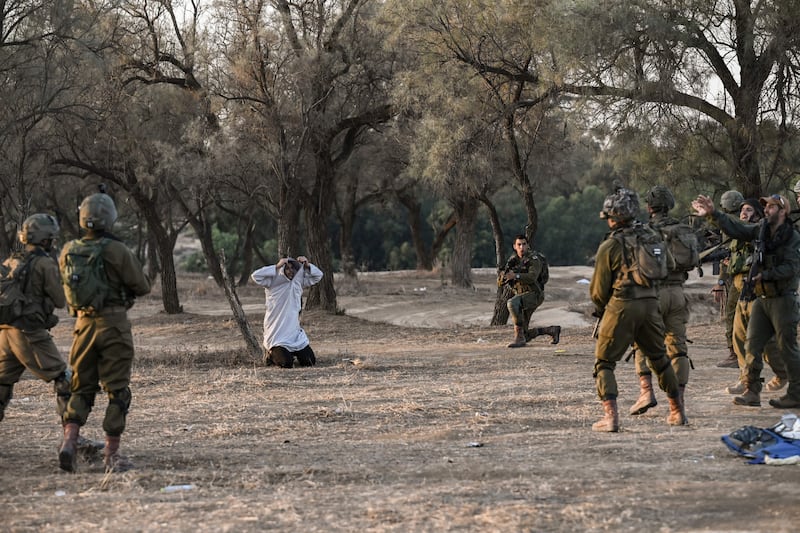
510 265
596 328
748 293
714 255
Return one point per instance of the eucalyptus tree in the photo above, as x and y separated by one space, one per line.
34 76
506 112
141 125
731 62
313 75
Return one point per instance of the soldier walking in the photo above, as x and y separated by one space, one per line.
673 303
102 343
629 312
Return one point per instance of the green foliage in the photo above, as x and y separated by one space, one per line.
402 257
570 228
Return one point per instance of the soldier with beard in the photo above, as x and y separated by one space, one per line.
775 309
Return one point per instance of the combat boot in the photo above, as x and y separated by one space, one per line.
68 453
731 361
647 397
5 399
519 337
112 460
737 388
533 333
610 421
555 332
785 402
775 384
89 449
750 397
677 412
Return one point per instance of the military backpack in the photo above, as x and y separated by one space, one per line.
646 259
683 245
83 275
13 285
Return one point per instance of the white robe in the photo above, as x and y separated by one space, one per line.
282 318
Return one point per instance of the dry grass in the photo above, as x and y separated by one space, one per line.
396 429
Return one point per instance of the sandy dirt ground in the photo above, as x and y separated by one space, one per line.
416 418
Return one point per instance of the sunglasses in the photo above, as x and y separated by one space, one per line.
778 198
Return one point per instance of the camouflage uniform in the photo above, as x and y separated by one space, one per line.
102 344
674 308
630 314
730 202
739 266
775 310
27 344
528 295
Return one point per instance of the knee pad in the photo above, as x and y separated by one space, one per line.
281 357
61 386
681 364
119 401
660 364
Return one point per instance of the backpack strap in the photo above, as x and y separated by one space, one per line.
24 268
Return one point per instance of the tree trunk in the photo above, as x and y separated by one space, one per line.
169 282
518 168
165 246
744 148
461 264
253 345
414 220
500 314
317 208
202 228
247 253
348 261
322 295
288 224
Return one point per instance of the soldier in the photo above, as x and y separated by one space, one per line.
526 272
629 312
738 267
673 303
731 203
774 310
27 343
284 338
102 344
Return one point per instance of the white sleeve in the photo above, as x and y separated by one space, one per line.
313 275
264 275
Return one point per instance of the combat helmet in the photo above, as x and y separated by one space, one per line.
660 198
731 201
622 205
38 228
97 212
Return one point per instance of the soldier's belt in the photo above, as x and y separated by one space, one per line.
114 309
